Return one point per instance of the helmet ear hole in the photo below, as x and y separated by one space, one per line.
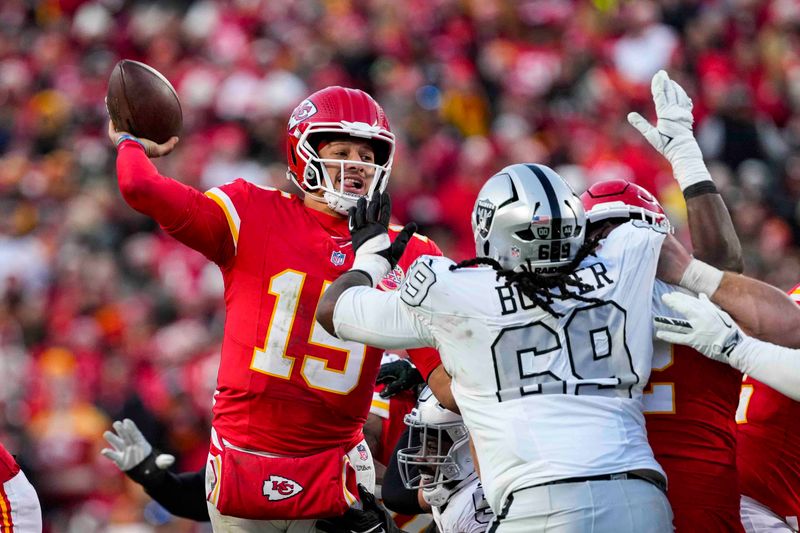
312 177
526 234
486 248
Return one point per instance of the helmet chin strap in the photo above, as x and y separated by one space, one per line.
339 202
333 201
436 496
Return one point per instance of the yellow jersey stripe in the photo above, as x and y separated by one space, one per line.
348 496
398 227
6 524
226 204
218 468
379 407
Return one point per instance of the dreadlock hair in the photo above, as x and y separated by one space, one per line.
539 288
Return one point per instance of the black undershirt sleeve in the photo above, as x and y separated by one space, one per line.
395 496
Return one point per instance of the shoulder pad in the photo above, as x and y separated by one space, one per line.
284 194
397 228
423 274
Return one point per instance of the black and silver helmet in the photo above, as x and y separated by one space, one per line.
526 214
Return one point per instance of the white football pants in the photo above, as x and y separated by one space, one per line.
758 518
615 506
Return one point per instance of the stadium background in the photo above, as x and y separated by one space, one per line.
102 316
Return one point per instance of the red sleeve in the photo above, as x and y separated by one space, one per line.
433 248
425 359
183 212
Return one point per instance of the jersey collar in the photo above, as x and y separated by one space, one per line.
334 225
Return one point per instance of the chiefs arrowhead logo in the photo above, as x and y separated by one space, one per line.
279 488
393 279
304 111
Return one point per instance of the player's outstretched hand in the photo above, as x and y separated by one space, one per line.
376 253
133 454
672 135
398 376
705 327
151 148
371 518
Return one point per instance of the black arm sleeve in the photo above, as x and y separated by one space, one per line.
182 494
396 496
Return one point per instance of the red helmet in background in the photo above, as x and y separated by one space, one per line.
331 112
622 199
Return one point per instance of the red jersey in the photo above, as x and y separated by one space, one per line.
284 385
8 466
690 404
768 445
392 412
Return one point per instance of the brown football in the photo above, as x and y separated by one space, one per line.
142 101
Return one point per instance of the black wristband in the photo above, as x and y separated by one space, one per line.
700 188
147 473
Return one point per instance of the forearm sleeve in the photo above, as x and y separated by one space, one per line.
775 366
396 496
182 494
183 212
377 318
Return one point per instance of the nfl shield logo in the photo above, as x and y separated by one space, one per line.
337 258
362 452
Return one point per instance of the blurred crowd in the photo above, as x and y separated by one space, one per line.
102 316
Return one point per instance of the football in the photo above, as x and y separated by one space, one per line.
141 101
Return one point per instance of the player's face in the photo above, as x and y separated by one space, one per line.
433 448
357 178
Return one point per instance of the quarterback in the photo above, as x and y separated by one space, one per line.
291 400
549 345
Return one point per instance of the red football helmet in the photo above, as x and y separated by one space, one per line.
331 111
622 199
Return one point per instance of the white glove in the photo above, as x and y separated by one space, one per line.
129 447
672 136
706 328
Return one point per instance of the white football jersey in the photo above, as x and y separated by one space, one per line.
467 510
544 397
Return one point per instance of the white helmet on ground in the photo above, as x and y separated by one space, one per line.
438 446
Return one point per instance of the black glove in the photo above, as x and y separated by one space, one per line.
371 518
376 254
398 376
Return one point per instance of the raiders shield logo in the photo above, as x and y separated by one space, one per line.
484 215
305 110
